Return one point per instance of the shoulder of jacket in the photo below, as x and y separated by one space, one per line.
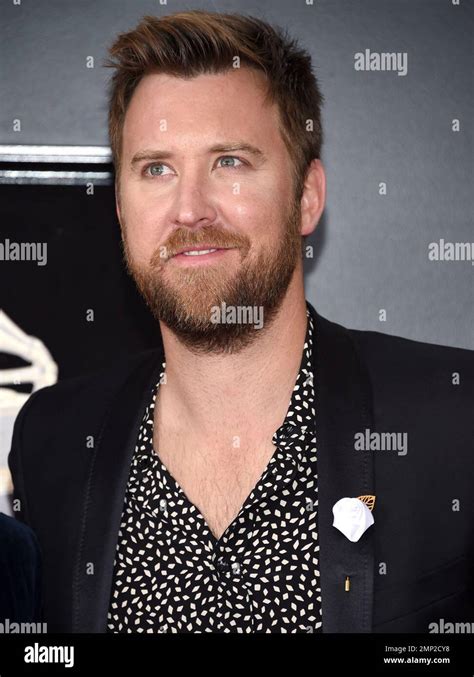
86 390
398 348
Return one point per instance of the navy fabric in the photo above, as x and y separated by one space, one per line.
20 572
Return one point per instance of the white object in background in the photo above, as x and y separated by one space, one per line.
43 371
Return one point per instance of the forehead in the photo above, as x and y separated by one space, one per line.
231 104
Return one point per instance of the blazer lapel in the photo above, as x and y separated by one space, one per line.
343 407
104 497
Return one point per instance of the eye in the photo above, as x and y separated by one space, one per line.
151 167
233 158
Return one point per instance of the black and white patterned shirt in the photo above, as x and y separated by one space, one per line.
171 574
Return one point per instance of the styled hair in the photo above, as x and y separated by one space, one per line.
191 43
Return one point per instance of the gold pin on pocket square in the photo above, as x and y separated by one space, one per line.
369 501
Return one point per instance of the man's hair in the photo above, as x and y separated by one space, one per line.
195 42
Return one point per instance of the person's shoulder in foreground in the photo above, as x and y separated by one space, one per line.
20 573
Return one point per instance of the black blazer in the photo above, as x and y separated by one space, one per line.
20 573
414 566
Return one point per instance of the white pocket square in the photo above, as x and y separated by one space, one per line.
352 516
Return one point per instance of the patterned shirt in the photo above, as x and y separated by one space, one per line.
171 574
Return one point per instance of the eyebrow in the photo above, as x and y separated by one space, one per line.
216 148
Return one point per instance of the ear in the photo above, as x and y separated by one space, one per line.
313 198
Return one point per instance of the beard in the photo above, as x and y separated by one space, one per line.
183 298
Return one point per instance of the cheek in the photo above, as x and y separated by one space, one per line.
262 220
256 215
141 231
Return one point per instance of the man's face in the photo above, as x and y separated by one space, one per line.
200 188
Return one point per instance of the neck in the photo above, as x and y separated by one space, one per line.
253 387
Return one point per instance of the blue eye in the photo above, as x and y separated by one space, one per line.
155 164
231 157
148 169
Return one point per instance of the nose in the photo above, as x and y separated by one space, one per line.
193 206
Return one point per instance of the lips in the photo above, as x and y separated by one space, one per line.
193 251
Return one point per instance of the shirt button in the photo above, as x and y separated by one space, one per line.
222 565
235 566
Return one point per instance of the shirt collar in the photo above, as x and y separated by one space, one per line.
293 437
300 413
294 434
299 419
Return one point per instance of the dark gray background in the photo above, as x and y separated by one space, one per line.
371 252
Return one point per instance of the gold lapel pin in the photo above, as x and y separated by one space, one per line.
369 501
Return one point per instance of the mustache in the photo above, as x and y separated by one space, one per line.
209 236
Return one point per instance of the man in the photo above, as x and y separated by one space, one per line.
191 488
